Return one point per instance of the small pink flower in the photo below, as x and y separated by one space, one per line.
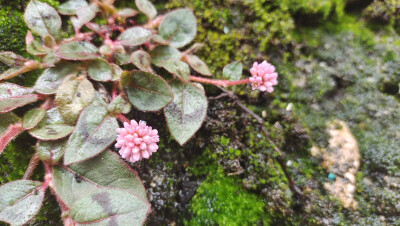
137 141
263 76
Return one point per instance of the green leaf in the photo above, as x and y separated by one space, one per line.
160 40
119 105
187 111
42 19
161 54
127 12
134 36
78 51
119 174
33 117
52 127
51 58
70 187
108 206
178 68
94 132
7 119
34 47
51 78
147 8
233 71
13 96
100 70
198 65
116 72
142 60
70 7
179 27
80 179
12 59
73 95
84 15
20 201
121 58
50 151
146 91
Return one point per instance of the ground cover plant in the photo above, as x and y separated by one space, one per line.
89 82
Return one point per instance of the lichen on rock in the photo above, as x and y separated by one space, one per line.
342 158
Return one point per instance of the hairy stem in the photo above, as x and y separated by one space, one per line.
11 132
218 82
123 118
32 165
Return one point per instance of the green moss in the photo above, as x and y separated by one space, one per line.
220 200
387 11
15 159
326 8
12 30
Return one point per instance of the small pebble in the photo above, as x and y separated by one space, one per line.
331 176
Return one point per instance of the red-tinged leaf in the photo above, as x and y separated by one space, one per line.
186 113
142 60
146 91
12 59
42 19
52 127
20 201
179 27
94 132
13 96
135 36
11 132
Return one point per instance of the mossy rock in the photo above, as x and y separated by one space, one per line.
220 200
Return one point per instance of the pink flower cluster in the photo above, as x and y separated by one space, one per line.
263 76
136 140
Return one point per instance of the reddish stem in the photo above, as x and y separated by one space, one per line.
219 82
32 165
11 132
123 118
114 92
47 104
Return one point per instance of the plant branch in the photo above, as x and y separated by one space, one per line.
32 165
280 158
218 82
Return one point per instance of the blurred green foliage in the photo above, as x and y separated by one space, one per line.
387 11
